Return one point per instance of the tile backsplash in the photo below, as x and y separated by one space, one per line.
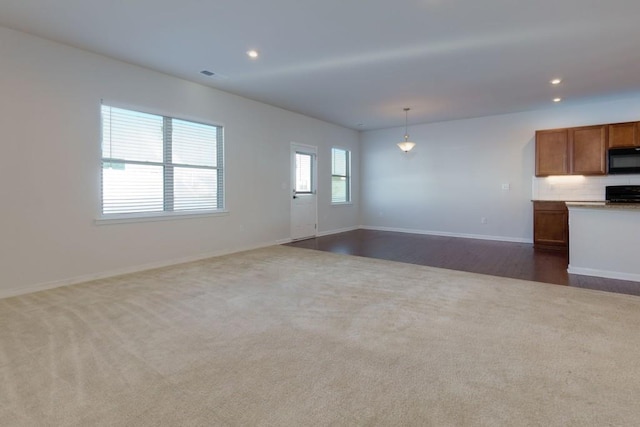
577 188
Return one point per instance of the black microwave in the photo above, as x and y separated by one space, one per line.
624 160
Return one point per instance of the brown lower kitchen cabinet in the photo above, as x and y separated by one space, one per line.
550 225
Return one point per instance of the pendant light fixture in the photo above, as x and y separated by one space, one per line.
406 145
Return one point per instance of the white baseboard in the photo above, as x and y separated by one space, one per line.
320 234
603 273
448 234
340 230
6 293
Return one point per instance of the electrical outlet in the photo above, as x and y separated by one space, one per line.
483 220
506 186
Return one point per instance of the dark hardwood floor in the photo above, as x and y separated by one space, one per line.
516 260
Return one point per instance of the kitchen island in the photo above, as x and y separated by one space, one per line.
604 240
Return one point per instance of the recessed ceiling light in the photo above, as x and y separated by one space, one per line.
557 99
556 81
253 54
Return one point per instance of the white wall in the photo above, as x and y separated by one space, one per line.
454 176
50 171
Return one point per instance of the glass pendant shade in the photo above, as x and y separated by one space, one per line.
406 145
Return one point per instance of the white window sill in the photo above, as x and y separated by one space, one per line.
342 204
155 216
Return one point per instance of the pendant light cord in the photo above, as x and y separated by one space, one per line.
406 124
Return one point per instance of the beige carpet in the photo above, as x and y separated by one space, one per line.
293 337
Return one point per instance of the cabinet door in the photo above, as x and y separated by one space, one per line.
552 152
588 147
624 135
550 225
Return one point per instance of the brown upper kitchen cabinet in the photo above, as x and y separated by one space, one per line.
572 151
624 135
588 150
552 152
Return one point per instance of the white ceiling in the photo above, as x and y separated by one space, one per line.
357 63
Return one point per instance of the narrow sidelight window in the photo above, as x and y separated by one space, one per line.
340 176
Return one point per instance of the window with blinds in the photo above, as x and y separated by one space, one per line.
340 176
159 164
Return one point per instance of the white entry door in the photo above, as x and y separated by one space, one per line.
303 195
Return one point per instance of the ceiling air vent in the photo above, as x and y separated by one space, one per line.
207 73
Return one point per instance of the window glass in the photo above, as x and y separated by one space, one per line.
119 196
130 135
154 163
195 188
194 143
340 176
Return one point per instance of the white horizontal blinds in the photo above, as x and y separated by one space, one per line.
195 165
340 175
132 168
153 163
339 159
194 143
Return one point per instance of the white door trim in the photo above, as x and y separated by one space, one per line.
307 149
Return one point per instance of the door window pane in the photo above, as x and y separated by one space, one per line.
304 173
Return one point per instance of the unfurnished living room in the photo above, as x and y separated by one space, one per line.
345 213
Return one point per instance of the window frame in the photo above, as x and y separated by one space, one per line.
347 177
168 167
